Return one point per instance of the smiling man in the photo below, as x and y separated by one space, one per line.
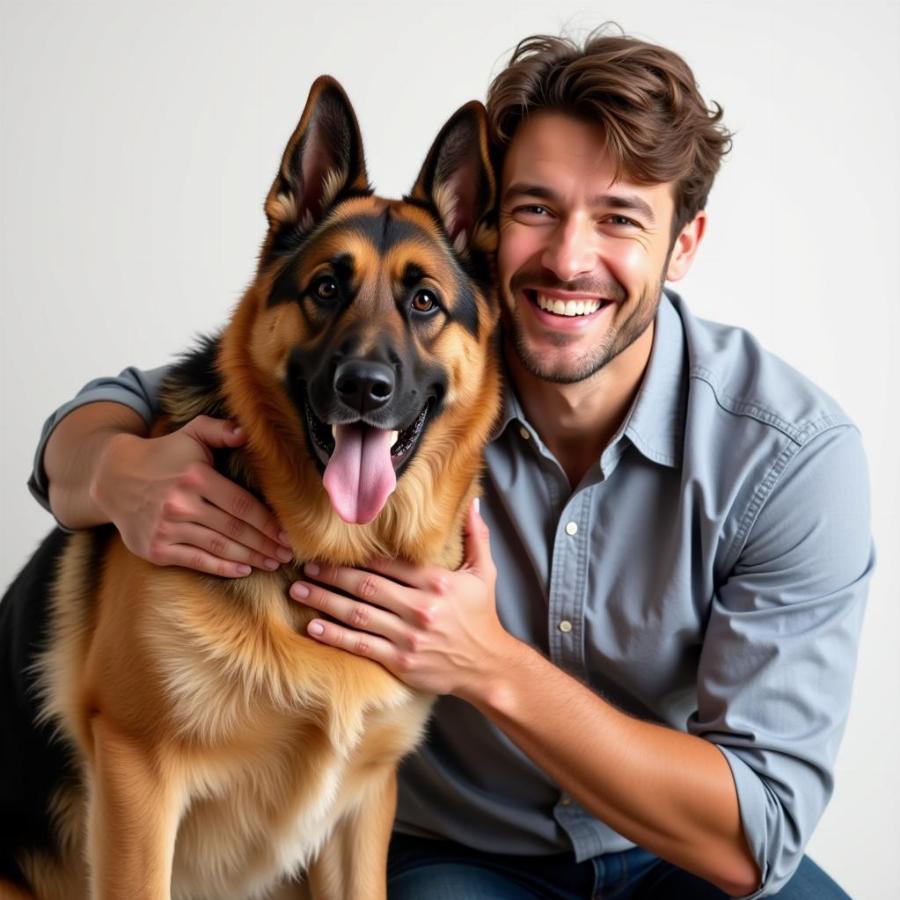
645 662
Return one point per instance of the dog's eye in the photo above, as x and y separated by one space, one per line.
325 288
424 301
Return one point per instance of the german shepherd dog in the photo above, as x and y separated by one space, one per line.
168 733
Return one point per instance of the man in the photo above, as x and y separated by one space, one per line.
645 671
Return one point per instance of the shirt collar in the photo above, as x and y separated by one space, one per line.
655 422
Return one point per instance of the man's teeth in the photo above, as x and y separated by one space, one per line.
567 307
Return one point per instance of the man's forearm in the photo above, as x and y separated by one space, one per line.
74 453
669 792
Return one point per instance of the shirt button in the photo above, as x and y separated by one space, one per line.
524 432
572 528
565 626
566 800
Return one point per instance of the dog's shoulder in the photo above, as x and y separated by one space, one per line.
193 385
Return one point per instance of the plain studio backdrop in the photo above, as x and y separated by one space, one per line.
139 140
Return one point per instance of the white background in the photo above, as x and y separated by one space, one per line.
139 140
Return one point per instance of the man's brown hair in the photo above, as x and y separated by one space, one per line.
657 127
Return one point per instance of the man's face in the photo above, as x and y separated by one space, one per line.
582 257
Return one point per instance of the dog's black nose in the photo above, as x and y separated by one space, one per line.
364 385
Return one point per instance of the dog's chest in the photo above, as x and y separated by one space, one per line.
287 744
265 812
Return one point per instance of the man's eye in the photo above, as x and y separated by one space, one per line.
530 214
620 220
424 301
325 288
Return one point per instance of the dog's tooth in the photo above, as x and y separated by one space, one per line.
394 436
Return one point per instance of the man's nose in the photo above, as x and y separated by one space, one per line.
572 250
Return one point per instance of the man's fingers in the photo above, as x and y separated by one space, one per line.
201 561
240 532
367 586
240 504
404 573
221 547
358 616
358 643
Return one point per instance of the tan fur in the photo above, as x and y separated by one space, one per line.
223 753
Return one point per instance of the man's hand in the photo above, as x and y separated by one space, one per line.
435 629
172 508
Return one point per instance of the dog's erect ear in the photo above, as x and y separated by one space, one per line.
457 177
323 158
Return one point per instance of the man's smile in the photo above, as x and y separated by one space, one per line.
566 310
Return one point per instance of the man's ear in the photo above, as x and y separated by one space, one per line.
323 158
457 179
685 247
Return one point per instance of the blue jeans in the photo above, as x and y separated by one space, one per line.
420 869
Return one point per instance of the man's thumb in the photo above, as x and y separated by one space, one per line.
477 539
215 432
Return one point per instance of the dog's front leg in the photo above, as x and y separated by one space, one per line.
132 819
353 862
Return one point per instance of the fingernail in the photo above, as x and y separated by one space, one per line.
237 431
299 590
284 554
311 569
315 628
272 564
284 538
244 570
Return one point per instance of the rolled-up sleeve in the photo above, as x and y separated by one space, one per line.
136 388
780 648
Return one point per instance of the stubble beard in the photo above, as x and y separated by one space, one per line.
591 361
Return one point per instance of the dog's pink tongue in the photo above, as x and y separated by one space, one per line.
359 476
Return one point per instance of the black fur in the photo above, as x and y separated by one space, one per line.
33 760
192 387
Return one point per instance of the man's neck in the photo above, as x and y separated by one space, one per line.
577 421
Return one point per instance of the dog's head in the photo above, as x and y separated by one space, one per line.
363 354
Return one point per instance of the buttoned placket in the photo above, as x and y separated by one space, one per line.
566 614
566 599
567 580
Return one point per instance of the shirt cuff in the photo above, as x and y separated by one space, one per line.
751 795
37 483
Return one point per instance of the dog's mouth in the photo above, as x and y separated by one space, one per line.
361 462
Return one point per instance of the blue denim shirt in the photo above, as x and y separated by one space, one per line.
709 574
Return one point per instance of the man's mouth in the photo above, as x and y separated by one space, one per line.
361 461
568 308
